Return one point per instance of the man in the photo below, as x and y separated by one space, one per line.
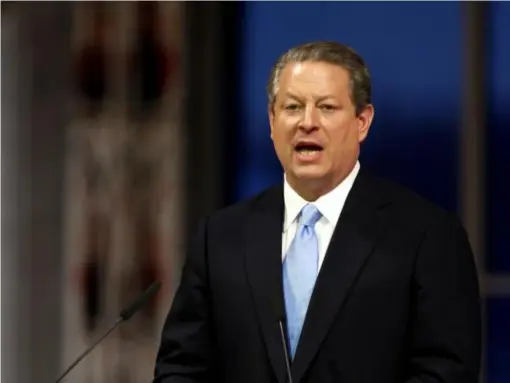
371 283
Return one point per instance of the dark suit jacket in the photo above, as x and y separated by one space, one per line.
396 300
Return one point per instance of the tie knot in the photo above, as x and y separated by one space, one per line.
310 215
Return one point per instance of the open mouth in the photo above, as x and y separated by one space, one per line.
308 149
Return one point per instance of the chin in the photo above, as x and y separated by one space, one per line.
310 173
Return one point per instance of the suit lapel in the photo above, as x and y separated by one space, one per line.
264 271
353 240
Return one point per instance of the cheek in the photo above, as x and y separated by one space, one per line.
283 133
338 136
341 140
281 140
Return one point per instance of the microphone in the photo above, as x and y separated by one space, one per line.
284 343
280 314
124 315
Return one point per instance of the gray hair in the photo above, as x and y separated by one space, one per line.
332 53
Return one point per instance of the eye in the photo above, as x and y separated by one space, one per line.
327 107
291 107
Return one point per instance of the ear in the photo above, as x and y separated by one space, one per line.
270 112
364 122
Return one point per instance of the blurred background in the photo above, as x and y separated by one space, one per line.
124 122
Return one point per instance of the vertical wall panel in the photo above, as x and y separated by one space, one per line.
498 340
15 298
498 191
498 259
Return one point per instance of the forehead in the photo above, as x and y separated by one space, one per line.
315 77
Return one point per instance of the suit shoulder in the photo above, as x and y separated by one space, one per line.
414 206
242 209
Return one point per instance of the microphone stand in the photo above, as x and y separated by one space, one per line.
89 349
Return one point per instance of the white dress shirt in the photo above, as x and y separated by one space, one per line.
330 205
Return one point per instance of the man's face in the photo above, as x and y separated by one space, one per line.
314 126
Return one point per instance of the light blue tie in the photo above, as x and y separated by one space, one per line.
299 273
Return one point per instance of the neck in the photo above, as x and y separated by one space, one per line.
312 189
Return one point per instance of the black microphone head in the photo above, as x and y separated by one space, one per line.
128 312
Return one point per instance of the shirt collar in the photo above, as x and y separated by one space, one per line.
330 205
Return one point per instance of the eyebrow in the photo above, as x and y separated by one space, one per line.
291 95
297 98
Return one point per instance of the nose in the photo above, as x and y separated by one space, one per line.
310 119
